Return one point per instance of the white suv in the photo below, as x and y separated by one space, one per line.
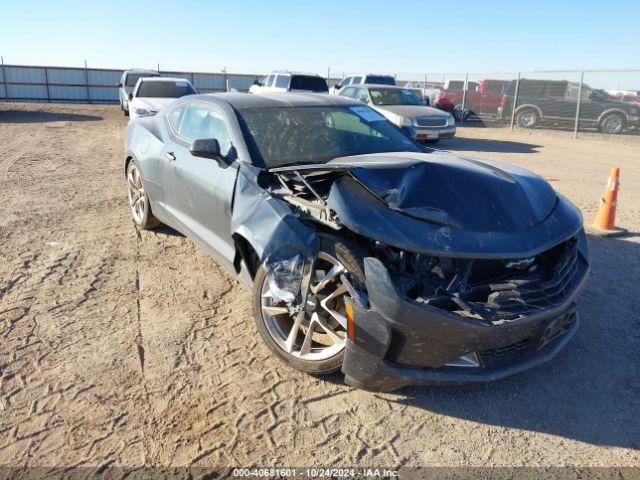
127 82
290 82
153 94
361 78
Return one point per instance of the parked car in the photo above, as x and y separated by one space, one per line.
127 82
152 94
480 100
418 93
555 102
364 253
290 82
363 78
403 108
430 91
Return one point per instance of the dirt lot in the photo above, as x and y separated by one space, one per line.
127 348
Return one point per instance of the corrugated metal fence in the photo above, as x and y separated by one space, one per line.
95 85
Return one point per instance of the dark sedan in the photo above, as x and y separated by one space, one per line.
364 253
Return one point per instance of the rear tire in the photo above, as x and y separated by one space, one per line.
612 124
138 199
527 118
351 256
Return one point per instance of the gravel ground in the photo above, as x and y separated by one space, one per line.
129 349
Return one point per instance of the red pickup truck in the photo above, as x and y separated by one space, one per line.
482 99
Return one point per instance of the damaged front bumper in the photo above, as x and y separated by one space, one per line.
400 342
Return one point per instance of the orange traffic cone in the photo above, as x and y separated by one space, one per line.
605 221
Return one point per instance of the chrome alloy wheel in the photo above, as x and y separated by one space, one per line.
136 193
319 331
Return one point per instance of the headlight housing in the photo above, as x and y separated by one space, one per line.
451 121
404 122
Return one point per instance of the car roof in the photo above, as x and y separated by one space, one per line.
164 79
377 85
370 74
140 70
277 72
243 101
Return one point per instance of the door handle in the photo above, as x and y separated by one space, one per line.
170 156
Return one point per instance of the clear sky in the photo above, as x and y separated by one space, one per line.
353 35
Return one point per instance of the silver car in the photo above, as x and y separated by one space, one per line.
403 108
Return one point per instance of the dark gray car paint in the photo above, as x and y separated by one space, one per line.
417 202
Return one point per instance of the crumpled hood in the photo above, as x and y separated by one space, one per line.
456 192
444 205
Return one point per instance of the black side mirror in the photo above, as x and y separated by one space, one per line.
131 96
208 148
119 85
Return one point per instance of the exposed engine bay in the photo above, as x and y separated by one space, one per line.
492 290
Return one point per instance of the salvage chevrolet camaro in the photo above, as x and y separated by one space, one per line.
365 253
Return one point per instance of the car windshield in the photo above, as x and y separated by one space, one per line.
308 82
393 96
380 80
133 78
297 135
164 89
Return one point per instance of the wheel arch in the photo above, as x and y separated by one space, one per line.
127 160
245 253
616 111
529 105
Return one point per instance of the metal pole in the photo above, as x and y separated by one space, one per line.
328 74
575 126
86 78
464 96
4 80
46 79
515 101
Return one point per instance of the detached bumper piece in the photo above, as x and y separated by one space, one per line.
494 330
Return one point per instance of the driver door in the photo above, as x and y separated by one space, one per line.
198 191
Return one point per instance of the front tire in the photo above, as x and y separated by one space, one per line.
138 199
312 341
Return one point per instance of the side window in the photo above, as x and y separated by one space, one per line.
361 95
201 122
348 92
282 81
174 117
269 81
344 82
357 80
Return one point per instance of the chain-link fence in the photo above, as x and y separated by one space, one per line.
602 101
599 101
